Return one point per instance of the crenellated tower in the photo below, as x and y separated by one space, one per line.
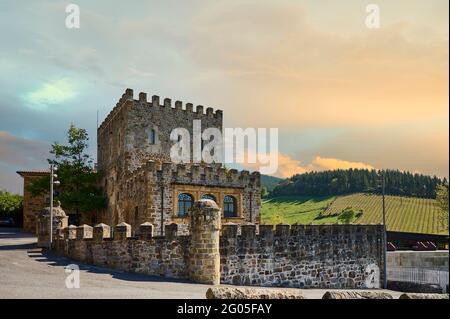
141 182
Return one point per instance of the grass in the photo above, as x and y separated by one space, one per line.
403 213
296 209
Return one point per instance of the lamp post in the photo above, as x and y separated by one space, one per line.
53 169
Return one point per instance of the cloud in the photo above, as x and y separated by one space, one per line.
51 93
19 151
320 163
288 166
295 65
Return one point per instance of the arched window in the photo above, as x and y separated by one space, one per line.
209 196
152 137
229 206
184 203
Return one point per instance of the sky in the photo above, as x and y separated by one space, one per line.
342 95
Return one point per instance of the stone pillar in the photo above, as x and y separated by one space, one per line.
204 256
43 225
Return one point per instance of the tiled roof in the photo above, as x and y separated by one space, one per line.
32 173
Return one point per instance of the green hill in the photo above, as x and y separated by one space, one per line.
270 182
403 213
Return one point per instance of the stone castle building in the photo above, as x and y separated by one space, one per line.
140 181
143 185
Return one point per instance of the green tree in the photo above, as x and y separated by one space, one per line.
442 203
11 206
9 203
79 190
347 215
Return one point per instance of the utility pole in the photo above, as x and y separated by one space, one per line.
383 186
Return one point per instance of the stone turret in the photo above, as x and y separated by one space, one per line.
204 261
60 221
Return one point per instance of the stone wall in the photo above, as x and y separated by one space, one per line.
160 256
32 205
303 256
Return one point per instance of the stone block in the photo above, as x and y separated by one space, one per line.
84 231
122 231
101 231
146 231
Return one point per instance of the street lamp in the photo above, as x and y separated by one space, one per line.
53 181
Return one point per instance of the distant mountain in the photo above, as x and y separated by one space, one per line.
270 182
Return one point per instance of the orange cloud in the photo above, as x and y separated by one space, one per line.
334 163
288 166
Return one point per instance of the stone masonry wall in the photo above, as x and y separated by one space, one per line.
32 205
147 194
303 256
160 256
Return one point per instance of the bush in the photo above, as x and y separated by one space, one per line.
348 215
11 206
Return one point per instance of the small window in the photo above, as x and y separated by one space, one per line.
152 137
185 202
229 206
209 196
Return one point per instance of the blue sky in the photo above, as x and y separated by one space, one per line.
341 94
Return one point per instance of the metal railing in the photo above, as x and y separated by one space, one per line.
419 276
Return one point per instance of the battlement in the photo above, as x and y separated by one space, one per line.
178 106
201 174
269 232
177 109
249 231
122 231
127 96
302 256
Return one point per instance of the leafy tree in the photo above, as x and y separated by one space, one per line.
11 206
348 215
341 182
442 203
9 203
79 190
